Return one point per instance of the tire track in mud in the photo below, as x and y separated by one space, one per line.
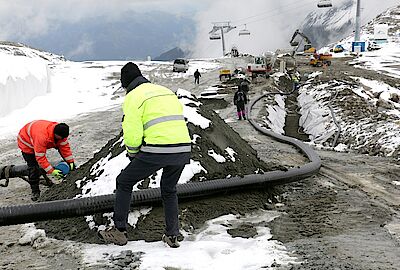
335 220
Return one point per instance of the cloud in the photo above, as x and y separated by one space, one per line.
23 19
271 23
84 48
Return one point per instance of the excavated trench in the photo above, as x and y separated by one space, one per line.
292 127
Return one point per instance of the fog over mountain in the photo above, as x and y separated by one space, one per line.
105 30
272 23
330 25
132 36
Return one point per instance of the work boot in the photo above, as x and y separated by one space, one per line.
35 191
244 117
171 241
240 117
113 235
35 195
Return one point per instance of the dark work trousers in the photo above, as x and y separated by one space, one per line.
196 80
138 170
33 171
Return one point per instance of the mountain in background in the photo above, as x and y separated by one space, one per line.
329 25
131 36
171 55
391 17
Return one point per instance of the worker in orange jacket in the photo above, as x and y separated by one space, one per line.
34 139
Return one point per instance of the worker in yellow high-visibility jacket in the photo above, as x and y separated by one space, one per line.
156 137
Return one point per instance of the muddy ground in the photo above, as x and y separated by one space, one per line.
346 217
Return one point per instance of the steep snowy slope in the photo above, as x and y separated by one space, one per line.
24 75
324 26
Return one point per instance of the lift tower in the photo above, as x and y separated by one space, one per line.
223 28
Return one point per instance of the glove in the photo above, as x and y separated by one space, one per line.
57 174
72 166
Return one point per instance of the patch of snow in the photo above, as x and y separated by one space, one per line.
211 246
218 158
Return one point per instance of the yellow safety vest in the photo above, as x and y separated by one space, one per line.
154 122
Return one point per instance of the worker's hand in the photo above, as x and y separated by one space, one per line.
57 174
72 166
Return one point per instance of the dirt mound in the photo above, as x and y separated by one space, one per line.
208 142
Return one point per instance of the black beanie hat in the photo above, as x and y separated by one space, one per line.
129 72
62 130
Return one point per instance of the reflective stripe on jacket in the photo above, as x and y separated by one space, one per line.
153 121
38 136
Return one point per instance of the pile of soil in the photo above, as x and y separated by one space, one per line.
217 137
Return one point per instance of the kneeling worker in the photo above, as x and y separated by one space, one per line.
34 139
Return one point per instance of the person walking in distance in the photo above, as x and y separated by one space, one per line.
197 76
156 137
34 139
240 100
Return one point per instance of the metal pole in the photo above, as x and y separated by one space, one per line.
358 15
223 41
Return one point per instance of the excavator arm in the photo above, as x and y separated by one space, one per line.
307 41
293 37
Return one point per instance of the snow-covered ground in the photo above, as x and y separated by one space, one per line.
384 60
317 101
210 247
38 85
322 105
70 89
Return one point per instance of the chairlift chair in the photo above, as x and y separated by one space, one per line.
324 3
215 36
244 32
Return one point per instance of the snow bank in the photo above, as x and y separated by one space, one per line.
368 130
21 80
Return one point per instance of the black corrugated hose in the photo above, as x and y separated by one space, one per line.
18 214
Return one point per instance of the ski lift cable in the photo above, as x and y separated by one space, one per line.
274 15
294 6
270 11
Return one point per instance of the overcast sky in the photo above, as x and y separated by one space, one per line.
271 22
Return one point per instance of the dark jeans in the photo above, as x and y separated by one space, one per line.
138 170
33 171
240 106
196 80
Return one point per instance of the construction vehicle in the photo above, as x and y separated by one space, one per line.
318 60
308 48
373 46
259 66
225 74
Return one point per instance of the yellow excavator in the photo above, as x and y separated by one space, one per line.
308 48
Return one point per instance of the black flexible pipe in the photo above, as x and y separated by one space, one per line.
60 209
13 171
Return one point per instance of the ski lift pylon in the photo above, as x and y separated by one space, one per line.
324 3
244 32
